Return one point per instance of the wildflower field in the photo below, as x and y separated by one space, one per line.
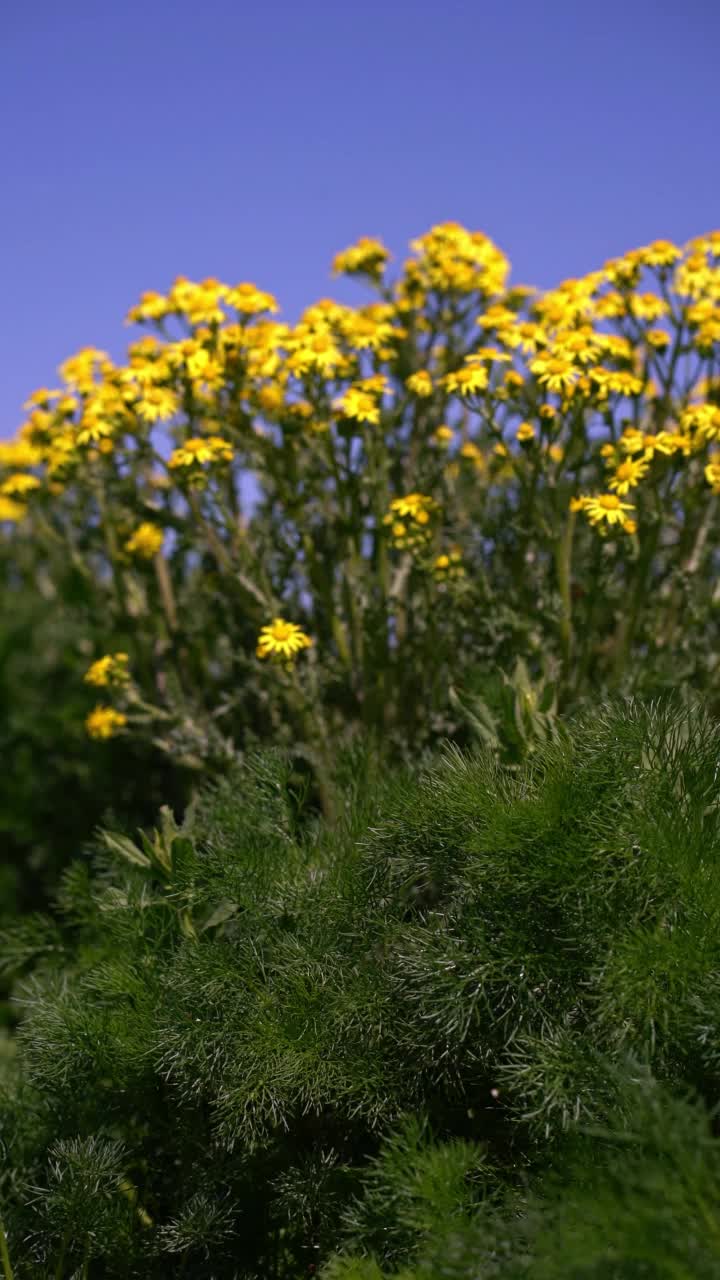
359 904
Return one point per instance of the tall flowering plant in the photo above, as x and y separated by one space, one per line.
288 530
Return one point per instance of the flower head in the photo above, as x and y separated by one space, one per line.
410 519
629 473
280 639
604 508
420 383
145 541
200 449
368 257
10 511
112 669
104 722
19 485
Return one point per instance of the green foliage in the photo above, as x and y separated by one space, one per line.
53 789
472 1020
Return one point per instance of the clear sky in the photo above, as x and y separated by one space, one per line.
252 139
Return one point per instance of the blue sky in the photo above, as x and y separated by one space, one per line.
253 140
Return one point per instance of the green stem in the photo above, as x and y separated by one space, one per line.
563 558
5 1255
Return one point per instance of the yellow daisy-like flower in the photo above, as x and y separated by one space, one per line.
410 518
146 541
281 639
420 383
606 508
104 722
661 253
442 436
525 432
418 506
19 485
703 418
367 257
658 338
158 404
712 474
360 405
448 566
19 453
616 380
555 372
468 380
109 670
470 451
249 300
152 306
628 474
11 512
200 449
633 440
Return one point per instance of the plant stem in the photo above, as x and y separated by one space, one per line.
5 1254
563 557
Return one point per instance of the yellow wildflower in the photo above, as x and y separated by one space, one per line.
249 300
281 639
41 398
19 453
661 253
200 449
658 338
647 306
448 566
11 511
605 508
557 373
93 430
470 451
525 432
146 541
420 383
616 380
467 381
19 485
111 669
628 474
361 401
632 440
416 505
712 473
152 306
158 404
410 518
104 722
366 257
442 435
703 418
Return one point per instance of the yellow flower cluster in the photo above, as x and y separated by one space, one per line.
201 450
146 541
111 669
411 520
368 257
448 566
104 722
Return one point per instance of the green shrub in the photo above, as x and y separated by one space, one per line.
259 1044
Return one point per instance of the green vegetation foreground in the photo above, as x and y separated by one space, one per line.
470 1029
